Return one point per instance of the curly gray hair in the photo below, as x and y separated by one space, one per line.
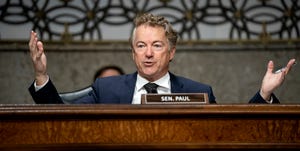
152 20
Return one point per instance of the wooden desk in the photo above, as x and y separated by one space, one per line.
136 127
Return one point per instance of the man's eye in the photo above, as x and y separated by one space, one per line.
157 46
140 46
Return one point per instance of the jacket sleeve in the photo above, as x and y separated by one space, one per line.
46 95
257 98
212 99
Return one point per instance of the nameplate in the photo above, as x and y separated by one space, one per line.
175 98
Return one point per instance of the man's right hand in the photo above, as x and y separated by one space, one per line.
38 58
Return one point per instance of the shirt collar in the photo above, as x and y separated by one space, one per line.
163 82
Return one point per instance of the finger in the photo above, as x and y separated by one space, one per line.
270 67
289 65
40 48
32 45
33 41
31 38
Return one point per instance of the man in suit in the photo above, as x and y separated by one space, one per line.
153 42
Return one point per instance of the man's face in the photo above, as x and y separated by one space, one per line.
151 52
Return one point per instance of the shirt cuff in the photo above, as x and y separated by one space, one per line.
270 101
38 87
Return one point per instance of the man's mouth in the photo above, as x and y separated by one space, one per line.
148 63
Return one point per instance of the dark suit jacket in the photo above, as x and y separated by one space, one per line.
120 89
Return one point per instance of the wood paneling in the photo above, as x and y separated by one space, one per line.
72 127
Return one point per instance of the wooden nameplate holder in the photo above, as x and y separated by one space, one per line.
175 98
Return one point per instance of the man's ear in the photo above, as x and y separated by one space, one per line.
172 54
132 53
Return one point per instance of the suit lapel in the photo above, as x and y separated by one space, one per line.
129 87
176 85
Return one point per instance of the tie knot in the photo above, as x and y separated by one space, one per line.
151 87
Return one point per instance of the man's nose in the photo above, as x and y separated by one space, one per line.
149 51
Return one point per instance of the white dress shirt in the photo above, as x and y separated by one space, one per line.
164 86
38 87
